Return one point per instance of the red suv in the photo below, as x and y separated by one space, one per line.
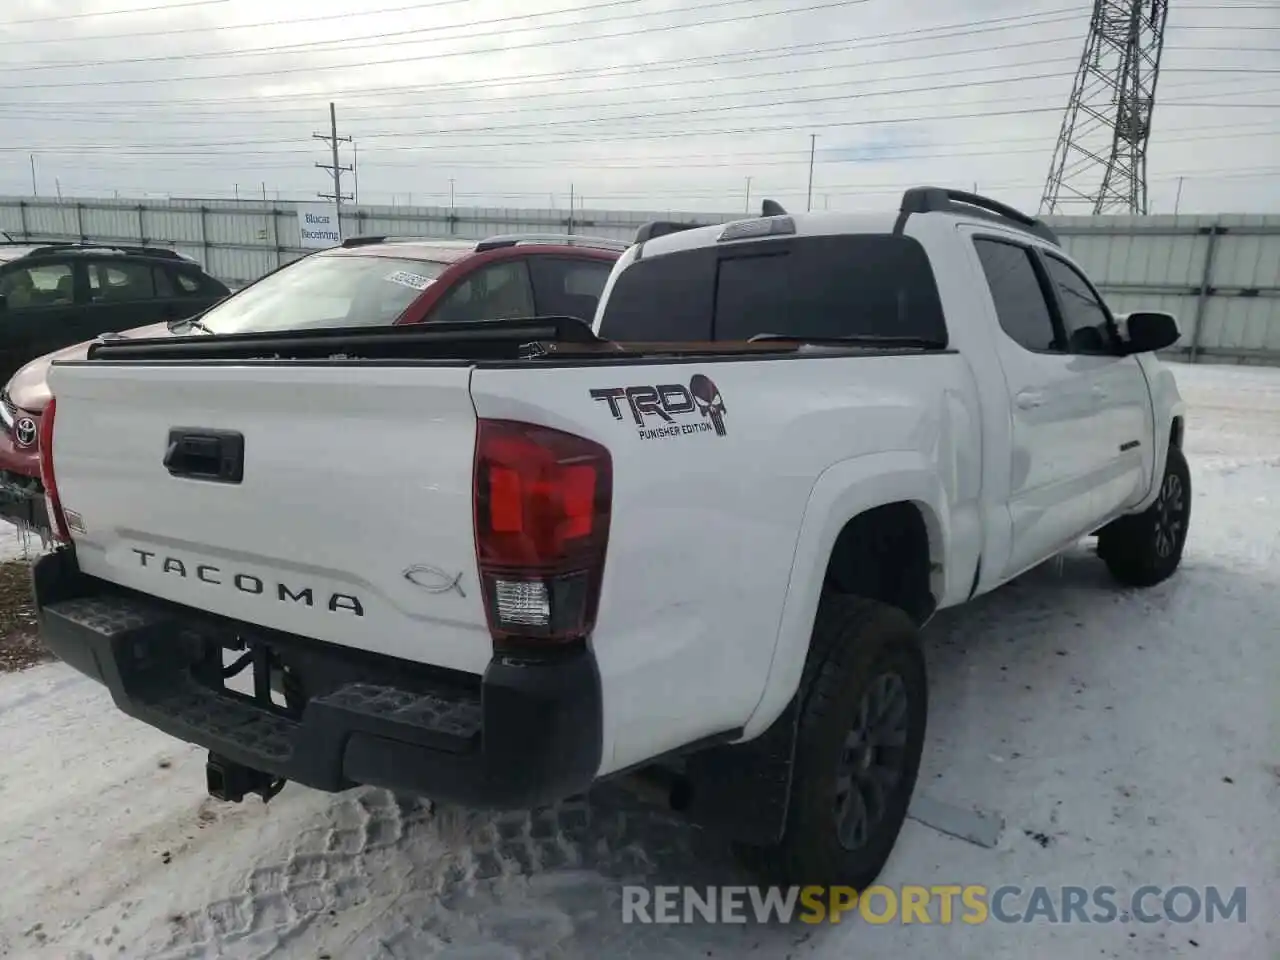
366 281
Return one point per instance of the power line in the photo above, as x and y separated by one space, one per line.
949 31
228 26
239 120
165 7
735 160
386 39
436 56
543 125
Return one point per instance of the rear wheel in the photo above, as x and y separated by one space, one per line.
860 736
1143 549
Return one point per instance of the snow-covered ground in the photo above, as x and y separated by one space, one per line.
1125 738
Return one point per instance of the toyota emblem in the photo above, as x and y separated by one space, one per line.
24 431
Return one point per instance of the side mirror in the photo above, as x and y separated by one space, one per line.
1149 331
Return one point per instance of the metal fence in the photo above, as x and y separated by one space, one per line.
1219 274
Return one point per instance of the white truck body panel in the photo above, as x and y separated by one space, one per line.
703 546
718 544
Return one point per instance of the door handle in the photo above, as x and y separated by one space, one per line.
216 455
1030 399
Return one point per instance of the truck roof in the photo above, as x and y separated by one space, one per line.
660 238
806 224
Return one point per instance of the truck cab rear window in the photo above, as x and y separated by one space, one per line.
816 287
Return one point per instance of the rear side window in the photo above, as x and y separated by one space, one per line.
120 280
495 292
568 288
186 283
817 287
1021 307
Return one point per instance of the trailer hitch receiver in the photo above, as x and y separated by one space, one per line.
232 781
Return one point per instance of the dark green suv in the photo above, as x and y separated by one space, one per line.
55 294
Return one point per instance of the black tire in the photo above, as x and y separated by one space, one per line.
858 647
1144 549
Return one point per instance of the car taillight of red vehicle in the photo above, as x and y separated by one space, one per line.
58 520
541 500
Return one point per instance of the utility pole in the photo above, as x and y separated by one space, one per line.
34 192
813 141
334 168
748 204
571 208
1177 201
355 172
451 194
264 191
57 183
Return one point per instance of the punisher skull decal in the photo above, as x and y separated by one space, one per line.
667 411
710 404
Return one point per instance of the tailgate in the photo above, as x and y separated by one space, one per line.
351 521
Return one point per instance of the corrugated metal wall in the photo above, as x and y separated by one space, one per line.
1220 275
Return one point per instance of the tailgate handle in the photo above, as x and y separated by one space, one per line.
216 455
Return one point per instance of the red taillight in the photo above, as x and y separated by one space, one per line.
57 519
542 500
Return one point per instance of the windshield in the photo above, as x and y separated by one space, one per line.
325 291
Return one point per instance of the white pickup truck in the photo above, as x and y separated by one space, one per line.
494 563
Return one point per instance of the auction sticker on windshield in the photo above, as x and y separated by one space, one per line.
407 279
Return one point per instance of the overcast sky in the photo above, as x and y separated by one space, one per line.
642 104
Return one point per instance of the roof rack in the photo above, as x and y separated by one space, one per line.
943 200
563 239
58 246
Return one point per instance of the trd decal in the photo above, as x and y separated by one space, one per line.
668 409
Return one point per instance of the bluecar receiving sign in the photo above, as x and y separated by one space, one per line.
318 226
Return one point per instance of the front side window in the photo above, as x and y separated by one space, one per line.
1087 323
43 285
325 291
1015 288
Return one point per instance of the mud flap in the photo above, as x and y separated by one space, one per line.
742 790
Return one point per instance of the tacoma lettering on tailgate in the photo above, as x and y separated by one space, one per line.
246 582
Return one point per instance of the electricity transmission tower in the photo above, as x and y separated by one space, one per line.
335 169
1100 162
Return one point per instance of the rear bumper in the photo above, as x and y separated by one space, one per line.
523 735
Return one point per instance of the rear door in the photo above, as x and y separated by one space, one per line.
40 312
123 295
1054 412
